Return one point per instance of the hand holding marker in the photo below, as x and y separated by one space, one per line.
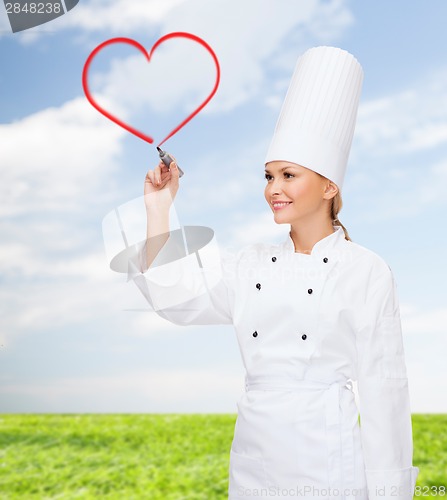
166 159
161 184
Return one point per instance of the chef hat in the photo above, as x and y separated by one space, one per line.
317 119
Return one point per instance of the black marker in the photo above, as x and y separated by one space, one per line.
166 159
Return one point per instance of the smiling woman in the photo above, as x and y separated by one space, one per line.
305 199
313 315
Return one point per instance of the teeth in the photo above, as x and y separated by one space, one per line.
281 204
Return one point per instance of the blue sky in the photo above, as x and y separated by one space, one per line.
68 342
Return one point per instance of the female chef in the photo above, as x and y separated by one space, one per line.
313 315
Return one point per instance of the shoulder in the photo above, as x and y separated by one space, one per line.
371 268
368 257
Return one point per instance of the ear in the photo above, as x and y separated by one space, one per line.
330 190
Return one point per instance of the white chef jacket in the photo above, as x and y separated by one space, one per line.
308 325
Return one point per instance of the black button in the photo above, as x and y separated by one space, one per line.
304 336
310 290
258 286
273 259
325 260
255 334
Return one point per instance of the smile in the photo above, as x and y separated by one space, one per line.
279 205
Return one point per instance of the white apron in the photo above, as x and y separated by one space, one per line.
307 326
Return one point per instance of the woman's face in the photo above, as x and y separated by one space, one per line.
294 192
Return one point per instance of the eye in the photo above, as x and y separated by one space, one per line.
290 175
268 177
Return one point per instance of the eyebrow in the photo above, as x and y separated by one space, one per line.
267 171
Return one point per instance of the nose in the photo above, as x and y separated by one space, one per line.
274 187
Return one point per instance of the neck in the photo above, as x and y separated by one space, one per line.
305 235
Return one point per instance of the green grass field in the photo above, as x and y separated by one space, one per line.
152 456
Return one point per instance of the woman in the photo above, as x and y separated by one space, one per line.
312 315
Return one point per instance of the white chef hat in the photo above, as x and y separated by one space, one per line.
317 119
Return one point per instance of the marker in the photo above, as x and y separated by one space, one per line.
166 159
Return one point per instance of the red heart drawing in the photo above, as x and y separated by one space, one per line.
130 41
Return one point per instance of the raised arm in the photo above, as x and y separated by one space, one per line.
194 287
160 187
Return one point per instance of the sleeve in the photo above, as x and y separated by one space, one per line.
384 402
196 288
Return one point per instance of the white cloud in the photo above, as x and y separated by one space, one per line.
401 192
52 161
398 152
332 19
65 287
64 292
53 158
410 120
118 16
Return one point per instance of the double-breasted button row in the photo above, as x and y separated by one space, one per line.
309 291
258 286
304 336
325 259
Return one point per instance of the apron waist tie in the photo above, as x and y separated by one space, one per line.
287 384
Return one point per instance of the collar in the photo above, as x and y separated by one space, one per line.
326 243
